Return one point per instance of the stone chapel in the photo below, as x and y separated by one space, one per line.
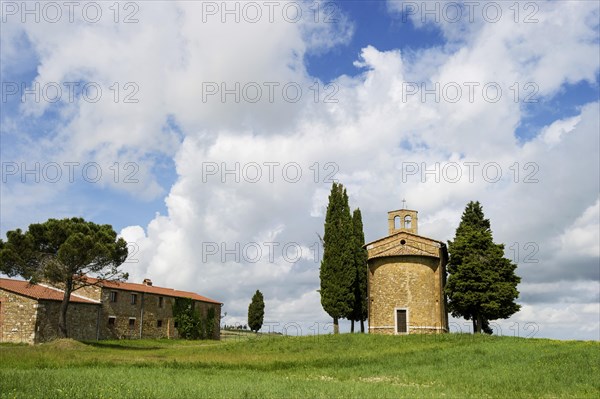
406 278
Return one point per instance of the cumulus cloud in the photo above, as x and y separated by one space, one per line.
253 178
583 236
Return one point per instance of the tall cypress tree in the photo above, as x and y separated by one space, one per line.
482 284
337 272
360 311
256 311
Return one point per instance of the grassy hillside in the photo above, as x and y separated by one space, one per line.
366 366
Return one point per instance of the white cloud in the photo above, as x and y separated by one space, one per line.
366 140
583 236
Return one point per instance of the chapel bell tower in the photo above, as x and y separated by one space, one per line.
406 279
402 220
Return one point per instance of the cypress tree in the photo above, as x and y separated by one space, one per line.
256 311
337 272
482 284
360 311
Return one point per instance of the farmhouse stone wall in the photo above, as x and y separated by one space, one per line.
17 317
146 313
23 319
27 320
90 291
82 321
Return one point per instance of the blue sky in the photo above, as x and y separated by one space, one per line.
375 26
169 204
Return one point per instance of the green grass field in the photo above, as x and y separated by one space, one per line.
348 365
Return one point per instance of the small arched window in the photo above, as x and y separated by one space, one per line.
407 222
397 223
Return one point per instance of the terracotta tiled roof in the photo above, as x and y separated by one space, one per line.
38 292
151 289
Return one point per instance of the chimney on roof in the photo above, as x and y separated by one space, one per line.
147 282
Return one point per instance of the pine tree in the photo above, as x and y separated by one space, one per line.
337 271
256 311
360 308
482 284
63 252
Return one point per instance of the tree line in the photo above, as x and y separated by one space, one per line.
481 283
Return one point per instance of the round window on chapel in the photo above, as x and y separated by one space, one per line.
402 242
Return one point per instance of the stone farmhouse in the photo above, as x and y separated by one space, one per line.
406 278
109 310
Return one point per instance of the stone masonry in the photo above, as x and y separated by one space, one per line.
406 280
17 317
29 313
82 321
33 319
145 311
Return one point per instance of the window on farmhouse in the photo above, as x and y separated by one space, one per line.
131 322
113 296
133 299
159 323
160 301
111 321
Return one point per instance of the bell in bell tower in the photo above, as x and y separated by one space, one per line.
402 220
